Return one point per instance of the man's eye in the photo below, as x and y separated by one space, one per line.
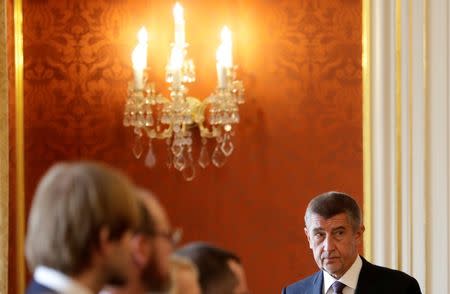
339 233
318 235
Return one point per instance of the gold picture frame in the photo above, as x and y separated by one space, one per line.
19 199
4 159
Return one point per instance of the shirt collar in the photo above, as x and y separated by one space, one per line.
59 282
350 278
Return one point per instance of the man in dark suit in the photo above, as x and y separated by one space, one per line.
79 229
334 230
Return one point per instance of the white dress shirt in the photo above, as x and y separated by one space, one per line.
58 282
350 279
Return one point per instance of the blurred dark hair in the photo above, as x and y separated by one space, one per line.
215 275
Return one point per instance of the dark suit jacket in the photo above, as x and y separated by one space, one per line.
372 279
36 288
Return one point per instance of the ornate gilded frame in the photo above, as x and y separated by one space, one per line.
20 161
367 129
19 199
4 159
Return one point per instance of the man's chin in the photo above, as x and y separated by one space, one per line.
333 271
332 268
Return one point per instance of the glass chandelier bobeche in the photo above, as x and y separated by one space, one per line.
153 115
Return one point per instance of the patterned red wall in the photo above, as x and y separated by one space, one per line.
301 128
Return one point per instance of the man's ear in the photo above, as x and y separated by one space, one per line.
359 233
307 236
143 249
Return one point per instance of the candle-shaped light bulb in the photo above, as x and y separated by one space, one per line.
178 13
176 58
175 64
143 36
139 58
178 16
139 55
225 37
224 58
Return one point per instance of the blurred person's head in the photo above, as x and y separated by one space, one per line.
220 271
184 276
81 221
153 244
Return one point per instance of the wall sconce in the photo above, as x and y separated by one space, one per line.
174 119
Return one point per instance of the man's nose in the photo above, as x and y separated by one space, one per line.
328 244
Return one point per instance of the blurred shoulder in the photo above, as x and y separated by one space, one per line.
36 288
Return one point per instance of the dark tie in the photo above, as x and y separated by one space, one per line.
337 287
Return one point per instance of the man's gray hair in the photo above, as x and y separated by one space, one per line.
332 203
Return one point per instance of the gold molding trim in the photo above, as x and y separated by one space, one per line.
4 152
20 162
367 128
410 121
398 125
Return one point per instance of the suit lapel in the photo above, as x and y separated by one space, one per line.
318 283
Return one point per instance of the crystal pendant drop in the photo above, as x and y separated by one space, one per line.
177 150
204 160
218 158
188 171
227 146
137 149
176 128
179 162
150 159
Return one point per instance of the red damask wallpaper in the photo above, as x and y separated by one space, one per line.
301 126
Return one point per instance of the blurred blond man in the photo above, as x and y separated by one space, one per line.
79 229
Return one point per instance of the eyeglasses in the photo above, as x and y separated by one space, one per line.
174 236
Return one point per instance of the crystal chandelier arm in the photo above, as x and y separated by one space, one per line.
153 134
198 109
206 133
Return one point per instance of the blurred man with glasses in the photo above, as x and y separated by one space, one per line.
152 246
